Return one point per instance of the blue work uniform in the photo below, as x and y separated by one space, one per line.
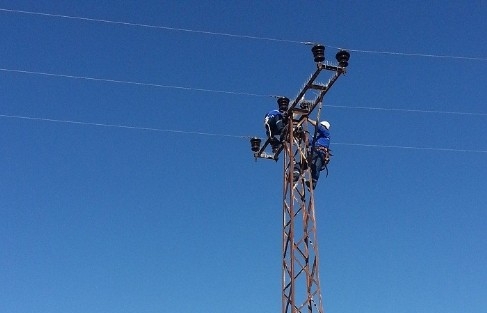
319 145
273 123
322 138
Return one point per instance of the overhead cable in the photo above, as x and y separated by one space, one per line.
168 28
149 26
426 55
222 135
118 126
108 80
408 147
404 110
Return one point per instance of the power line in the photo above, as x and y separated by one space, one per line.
222 135
426 55
168 28
118 126
405 110
150 26
409 147
108 80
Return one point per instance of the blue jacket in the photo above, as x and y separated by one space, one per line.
274 113
322 137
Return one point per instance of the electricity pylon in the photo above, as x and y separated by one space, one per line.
301 290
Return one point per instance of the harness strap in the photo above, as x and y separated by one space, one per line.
325 154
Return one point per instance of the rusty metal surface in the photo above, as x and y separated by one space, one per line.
300 272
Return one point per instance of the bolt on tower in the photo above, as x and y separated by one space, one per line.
301 290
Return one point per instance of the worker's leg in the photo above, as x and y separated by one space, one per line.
316 165
279 126
296 171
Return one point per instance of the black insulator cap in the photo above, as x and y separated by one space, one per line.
342 57
255 144
283 104
318 53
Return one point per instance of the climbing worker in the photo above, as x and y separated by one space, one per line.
319 149
319 152
274 123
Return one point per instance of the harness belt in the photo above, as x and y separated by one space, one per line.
325 154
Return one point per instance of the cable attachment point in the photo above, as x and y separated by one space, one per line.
318 53
342 57
255 144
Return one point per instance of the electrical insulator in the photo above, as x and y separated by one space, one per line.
318 53
342 57
255 144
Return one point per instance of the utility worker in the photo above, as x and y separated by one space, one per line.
320 149
274 123
319 154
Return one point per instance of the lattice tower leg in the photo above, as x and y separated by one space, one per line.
300 272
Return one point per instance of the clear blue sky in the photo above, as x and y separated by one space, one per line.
147 219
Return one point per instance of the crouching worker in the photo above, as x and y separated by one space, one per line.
274 123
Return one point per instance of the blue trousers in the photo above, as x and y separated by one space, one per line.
317 164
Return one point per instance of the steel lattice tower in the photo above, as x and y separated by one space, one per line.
301 290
